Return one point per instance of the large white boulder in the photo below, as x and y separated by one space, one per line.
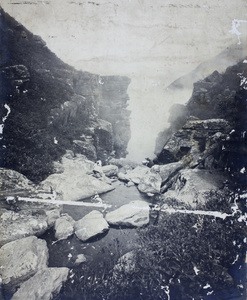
43 285
134 214
90 226
137 174
22 258
150 183
76 181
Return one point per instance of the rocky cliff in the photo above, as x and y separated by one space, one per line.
210 131
48 107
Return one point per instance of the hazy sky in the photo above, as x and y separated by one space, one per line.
154 42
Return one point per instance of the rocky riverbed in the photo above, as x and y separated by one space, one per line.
48 236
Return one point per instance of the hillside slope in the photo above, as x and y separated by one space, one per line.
48 106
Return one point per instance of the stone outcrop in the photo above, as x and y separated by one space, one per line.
92 225
193 143
208 138
43 285
64 227
55 107
21 259
134 214
191 187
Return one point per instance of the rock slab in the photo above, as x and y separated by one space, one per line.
90 226
134 214
21 259
192 185
43 285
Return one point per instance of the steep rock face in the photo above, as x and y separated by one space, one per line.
213 135
49 107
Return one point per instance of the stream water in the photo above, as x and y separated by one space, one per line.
102 253
116 242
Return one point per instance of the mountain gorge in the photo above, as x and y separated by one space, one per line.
49 107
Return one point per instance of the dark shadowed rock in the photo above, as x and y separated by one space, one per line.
43 285
22 258
90 226
13 183
193 143
134 214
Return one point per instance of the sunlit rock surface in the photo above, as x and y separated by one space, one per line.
19 219
191 186
75 183
134 214
151 182
90 226
22 258
43 285
64 227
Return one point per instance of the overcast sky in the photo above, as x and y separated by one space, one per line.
154 42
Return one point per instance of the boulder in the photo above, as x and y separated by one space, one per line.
90 226
80 259
123 177
14 183
75 183
169 170
110 170
123 162
86 148
22 258
137 174
134 214
192 185
151 182
43 285
64 227
26 219
52 215
15 225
